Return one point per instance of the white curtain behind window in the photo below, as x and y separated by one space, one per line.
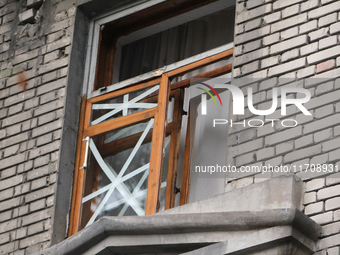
177 43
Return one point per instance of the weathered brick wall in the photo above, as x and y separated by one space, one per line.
35 37
275 41
281 42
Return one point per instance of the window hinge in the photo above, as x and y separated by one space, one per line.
87 139
184 112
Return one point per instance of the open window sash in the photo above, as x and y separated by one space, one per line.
153 97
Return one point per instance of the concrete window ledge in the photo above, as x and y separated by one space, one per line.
281 231
262 218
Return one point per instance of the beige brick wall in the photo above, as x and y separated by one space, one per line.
278 41
36 39
287 43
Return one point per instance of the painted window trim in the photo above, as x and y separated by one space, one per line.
94 31
159 72
93 45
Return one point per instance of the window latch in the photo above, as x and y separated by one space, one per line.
102 89
87 139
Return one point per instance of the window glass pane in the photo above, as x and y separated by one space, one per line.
124 105
177 43
121 133
125 200
133 130
117 178
204 137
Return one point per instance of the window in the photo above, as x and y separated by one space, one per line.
135 110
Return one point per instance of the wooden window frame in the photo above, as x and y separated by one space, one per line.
160 129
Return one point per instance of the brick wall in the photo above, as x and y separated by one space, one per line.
279 42
286 43
35 37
